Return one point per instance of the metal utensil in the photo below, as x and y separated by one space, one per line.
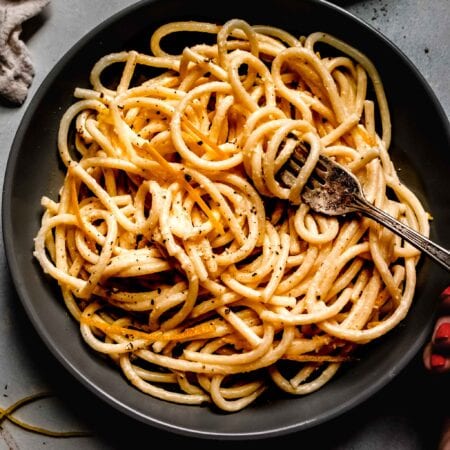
333 190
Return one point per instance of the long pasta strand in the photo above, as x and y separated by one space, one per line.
177 249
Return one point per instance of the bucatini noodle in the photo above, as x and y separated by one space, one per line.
177 249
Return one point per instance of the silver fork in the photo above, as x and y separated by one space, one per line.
333 190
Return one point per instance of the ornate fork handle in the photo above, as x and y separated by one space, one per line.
439 254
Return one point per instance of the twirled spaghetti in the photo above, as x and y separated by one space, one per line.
176 247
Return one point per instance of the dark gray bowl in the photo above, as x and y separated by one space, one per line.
420 148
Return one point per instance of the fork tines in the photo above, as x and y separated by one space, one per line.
290 170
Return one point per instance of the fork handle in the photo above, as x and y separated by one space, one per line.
439 254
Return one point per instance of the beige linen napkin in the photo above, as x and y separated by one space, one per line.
16 68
